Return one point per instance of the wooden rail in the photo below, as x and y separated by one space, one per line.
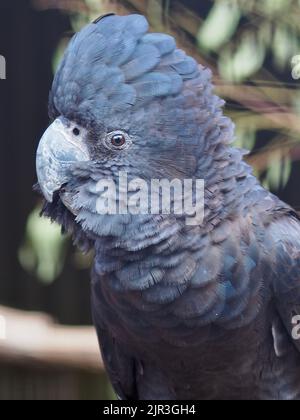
34 338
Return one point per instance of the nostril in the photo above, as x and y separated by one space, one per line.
76 131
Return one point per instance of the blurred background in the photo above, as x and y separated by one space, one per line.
48 349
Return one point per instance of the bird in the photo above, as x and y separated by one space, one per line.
182 311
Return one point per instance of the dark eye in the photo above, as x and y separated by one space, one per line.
118 140
76 132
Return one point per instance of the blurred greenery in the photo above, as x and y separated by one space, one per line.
220 25
253 47
259 42
43 252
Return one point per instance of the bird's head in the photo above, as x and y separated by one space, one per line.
126 100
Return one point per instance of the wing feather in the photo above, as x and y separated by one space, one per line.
284 234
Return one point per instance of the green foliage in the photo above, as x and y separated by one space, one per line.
243 37
43 252
242 49
245 137
59 53
220 25
296 71
246 60
273 8
285 45
279 171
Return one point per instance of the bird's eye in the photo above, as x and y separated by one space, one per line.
76 131
118 140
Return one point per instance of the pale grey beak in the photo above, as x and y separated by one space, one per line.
58 150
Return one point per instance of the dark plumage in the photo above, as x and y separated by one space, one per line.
182 312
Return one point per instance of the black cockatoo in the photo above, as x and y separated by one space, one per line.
205 311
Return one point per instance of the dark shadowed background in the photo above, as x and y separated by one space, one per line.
252 48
